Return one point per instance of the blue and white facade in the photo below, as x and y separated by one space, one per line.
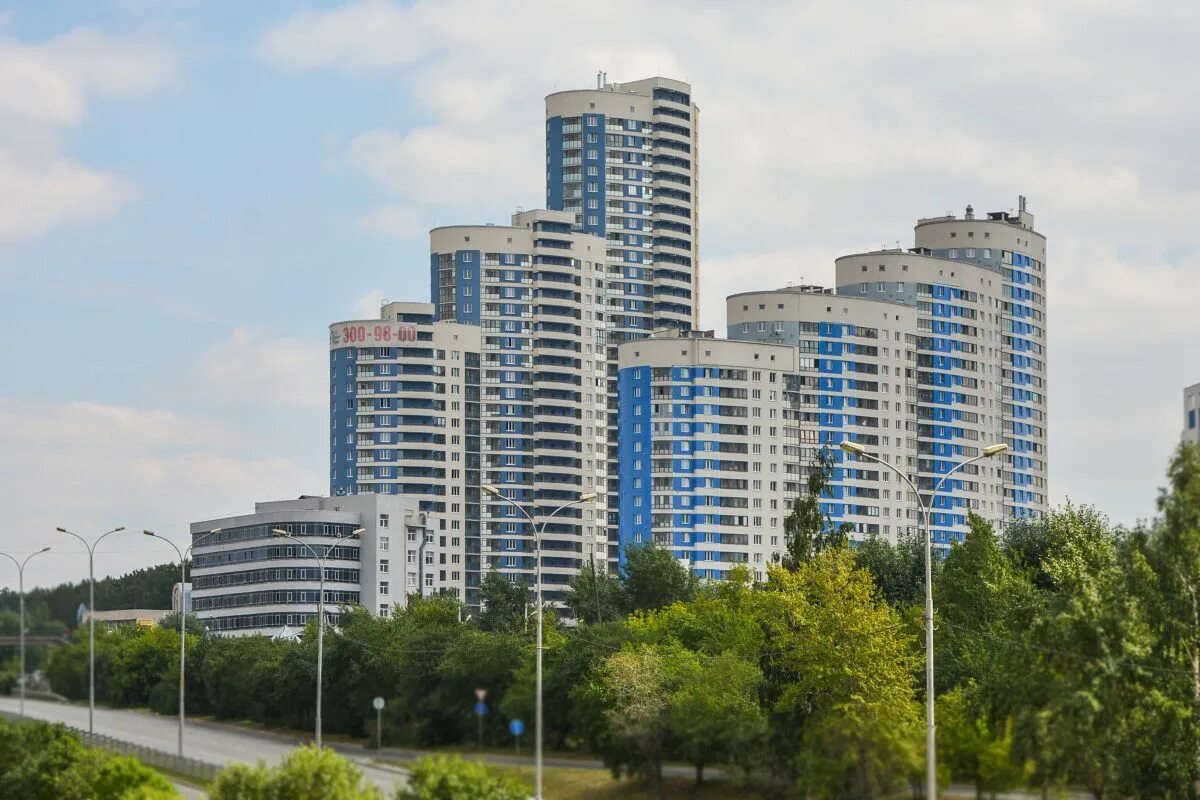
702 449
623 160
1191 414
853 382
404 421
535 291
951 337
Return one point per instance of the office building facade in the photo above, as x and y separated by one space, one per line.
248 580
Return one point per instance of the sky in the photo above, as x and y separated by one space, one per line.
191 192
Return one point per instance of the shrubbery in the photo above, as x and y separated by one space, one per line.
39 761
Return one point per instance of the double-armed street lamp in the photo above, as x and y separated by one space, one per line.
91 548
183 554
537 549
21 621
320 609
853 448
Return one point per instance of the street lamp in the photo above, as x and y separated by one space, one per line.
21 591
91 548
320 609
182 618
537 549
853 448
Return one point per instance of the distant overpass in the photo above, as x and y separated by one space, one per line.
15 641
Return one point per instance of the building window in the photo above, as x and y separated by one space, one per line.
467 256
970 252
953 252
383 565
383 587
882 286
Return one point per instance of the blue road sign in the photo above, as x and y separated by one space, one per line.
480 709
516 727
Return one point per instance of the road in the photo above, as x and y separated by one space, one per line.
215 744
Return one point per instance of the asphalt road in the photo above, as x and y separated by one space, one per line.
220 745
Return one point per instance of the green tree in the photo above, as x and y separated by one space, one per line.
595 595
898 570
505 604
838 666
1174 552
653 578
713 713
808 530
305 774
453 778
971 749
633 689
981 601
1090 708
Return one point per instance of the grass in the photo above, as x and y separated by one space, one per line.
561 783
572 783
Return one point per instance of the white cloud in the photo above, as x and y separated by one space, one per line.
286 372
90 467
37 195
367 305
363 35
396 219
45 90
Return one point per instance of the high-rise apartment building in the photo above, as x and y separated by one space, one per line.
1191 410
623 159
500 381
852 380
702 449
925 356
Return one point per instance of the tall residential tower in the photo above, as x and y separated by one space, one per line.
623 160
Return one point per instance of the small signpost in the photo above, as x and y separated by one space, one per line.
516 727
481 711
378 704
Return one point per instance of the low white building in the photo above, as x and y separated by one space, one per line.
246 579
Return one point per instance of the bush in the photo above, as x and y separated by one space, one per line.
306 774
103 776
39 761
452 778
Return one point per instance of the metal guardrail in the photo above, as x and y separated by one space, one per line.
160 759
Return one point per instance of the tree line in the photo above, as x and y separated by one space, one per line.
1068 655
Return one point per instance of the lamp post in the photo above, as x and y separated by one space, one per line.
320 610
21 621
182 619
537 549
853 448
91 548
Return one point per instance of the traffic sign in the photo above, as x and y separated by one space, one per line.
480 694
516 727
377 703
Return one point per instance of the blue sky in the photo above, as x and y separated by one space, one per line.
193 191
